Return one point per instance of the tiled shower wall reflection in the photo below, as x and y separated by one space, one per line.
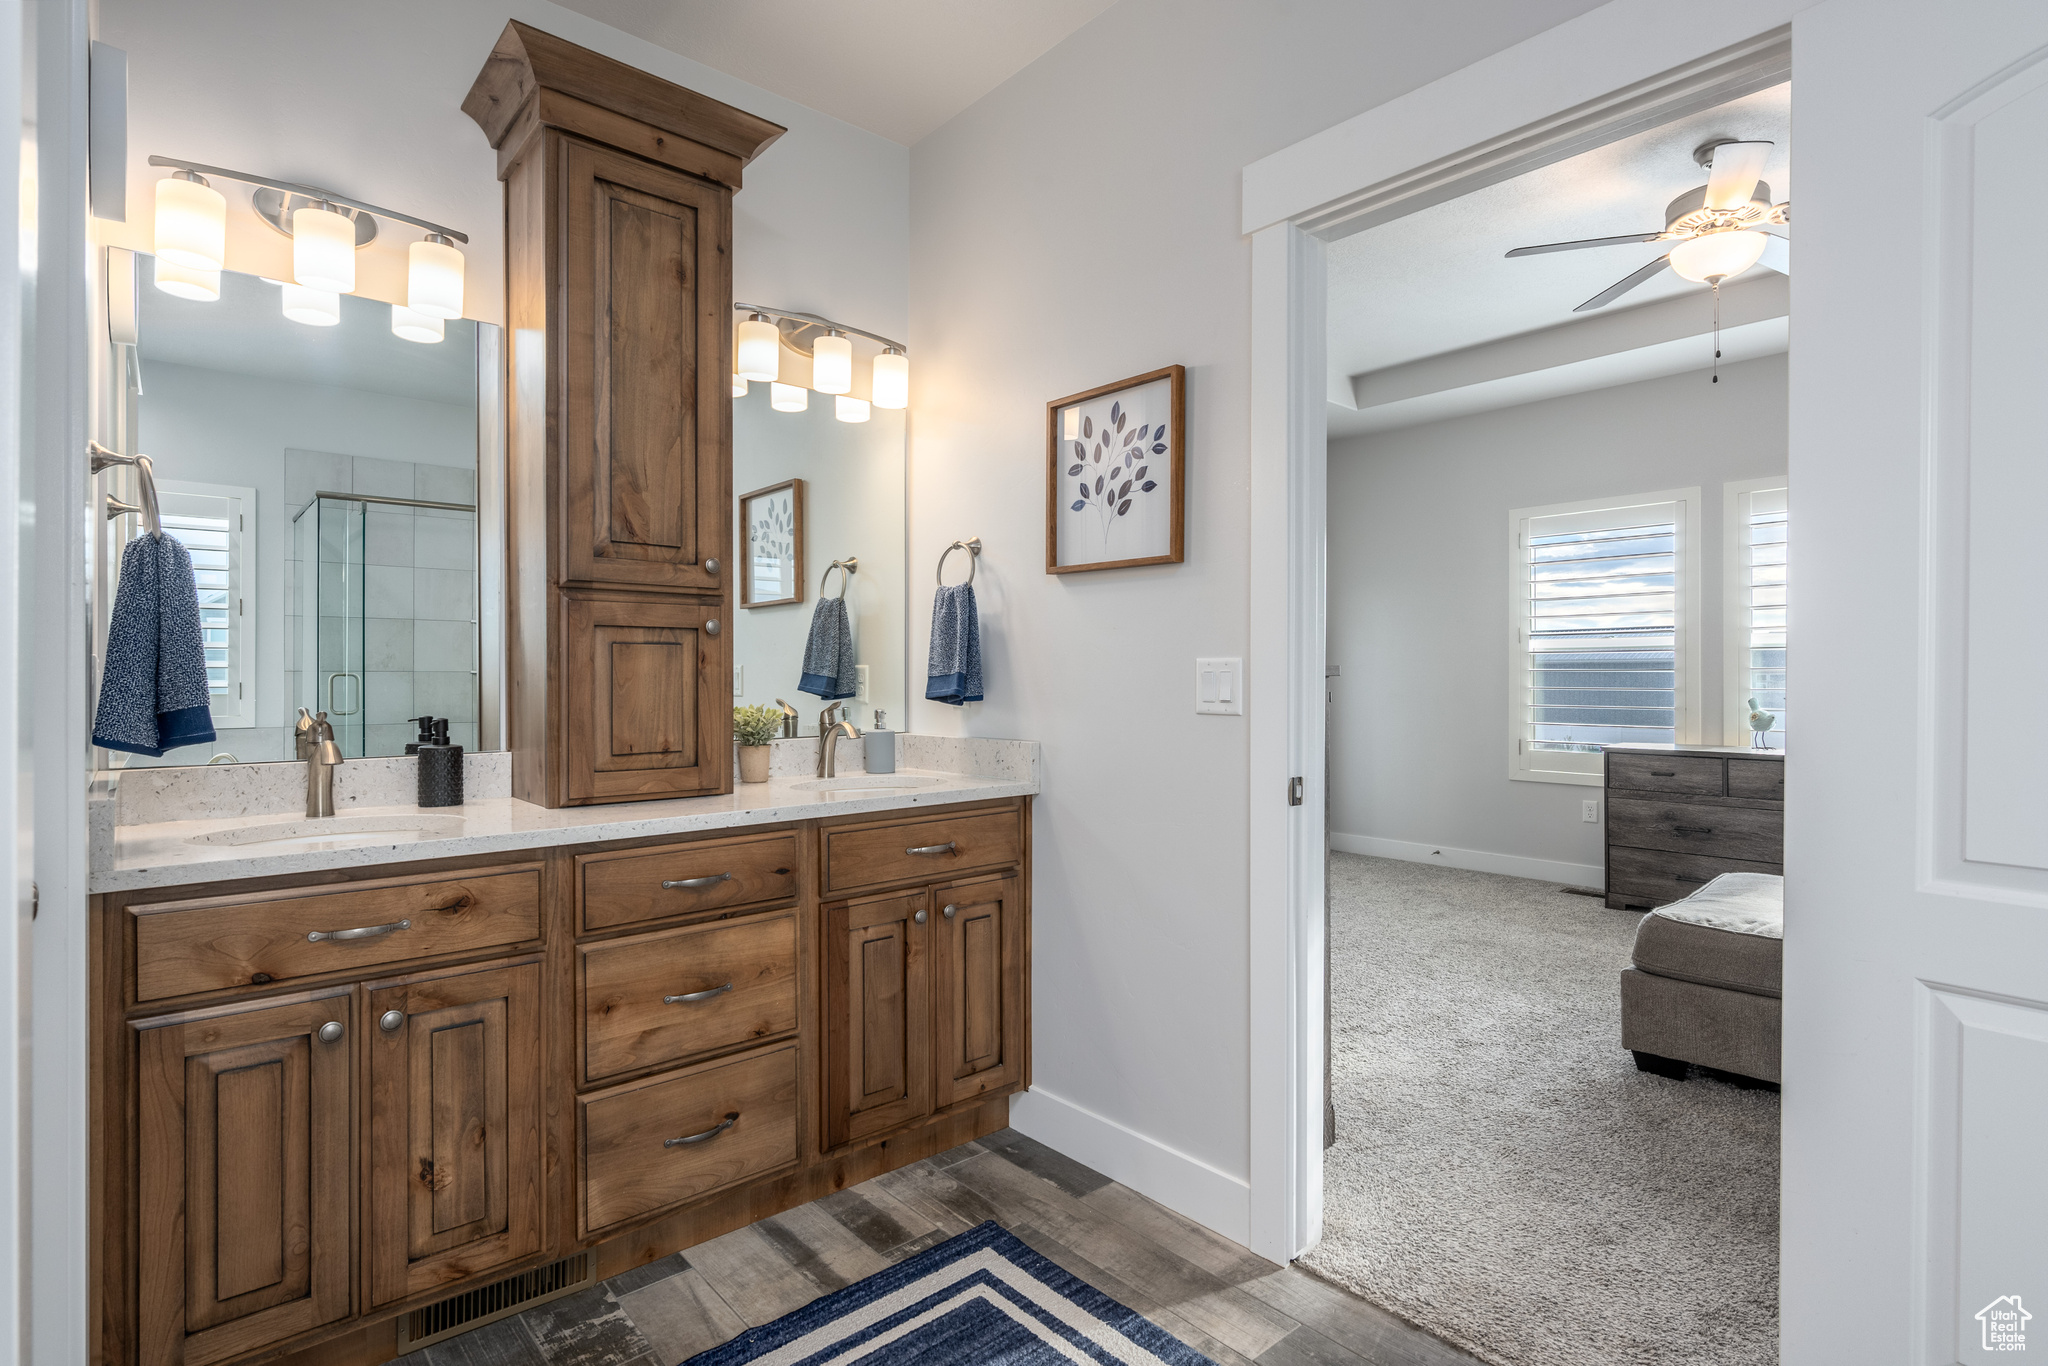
404 577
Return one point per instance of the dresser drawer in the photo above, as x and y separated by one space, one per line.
1757 778
935 847
1697 774
654 1000
651 1144
1648 877
182 947
1721 831
640 885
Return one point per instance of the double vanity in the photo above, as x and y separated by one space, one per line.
367 1079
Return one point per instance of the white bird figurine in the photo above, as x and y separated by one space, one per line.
1760 724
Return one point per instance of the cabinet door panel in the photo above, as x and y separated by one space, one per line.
646 691
877 1015
977 989
454 1126
244 1177
646 479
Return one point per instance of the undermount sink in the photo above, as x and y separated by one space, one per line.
864 784
332 832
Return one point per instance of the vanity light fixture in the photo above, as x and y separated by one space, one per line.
759 345
788 398
739 387
433 277
850 409
414 326
324 249
187 283
314 307
892 378
191 222
832 363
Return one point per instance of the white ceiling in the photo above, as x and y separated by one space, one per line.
899 68
245 332
1438 280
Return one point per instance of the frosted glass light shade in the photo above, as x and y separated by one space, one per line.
1070 427
788 398
759 350
187 283
832 364
892 379
739 387
191 224
324 250
1718 255
850 409
313 307
415 326
433 278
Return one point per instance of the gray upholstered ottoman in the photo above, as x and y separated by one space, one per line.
1707 980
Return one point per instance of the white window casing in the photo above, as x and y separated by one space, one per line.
217 524
1755 519
1603 631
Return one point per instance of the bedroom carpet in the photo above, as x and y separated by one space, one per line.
1503 1176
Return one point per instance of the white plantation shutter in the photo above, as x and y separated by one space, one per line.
1756 608
211 522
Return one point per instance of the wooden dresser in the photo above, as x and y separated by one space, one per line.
1678 816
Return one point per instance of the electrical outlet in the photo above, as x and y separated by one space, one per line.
1589 811
860 682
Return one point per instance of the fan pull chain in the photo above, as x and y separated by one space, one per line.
1716 282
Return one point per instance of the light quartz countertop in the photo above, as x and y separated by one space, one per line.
218 847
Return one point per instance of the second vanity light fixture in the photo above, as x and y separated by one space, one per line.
326 229
757 356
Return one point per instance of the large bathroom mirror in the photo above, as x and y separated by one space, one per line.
325 480
819 513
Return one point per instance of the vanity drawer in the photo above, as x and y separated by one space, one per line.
1757 778
1692 773
183 947
1646 877
639 885
934 847
637 993
651 1144
1742 832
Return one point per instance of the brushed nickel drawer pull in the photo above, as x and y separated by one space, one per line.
691 997
691 884
362 931
927 849
713 1132
1693 829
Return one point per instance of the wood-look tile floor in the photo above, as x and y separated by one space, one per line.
1215 1296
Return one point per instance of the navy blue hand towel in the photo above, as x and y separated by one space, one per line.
828 655
955 668
153 689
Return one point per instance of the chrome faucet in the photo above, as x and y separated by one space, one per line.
829 731
316 741
302 736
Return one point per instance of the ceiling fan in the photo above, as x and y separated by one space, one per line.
1717 227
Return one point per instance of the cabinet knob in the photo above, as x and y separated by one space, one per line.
920 917
711 566
711 627
391 1021
948 912
331 1032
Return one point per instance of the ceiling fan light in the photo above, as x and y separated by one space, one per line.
1717 255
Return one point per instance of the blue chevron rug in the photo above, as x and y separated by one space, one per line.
982 1298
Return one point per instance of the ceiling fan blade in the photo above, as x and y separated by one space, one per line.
1587 242
1777 254
1735 171
1624 285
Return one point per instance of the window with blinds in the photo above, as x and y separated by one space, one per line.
211 523
1600 606
1760 518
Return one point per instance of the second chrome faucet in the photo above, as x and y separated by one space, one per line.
317 749
829 731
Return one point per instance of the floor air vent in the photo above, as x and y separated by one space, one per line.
486 1304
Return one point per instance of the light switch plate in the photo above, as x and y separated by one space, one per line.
860 682
739 680
1219 687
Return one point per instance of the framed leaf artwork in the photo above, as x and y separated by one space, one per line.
772 545
1115 474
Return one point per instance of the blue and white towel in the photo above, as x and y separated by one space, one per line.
955 669
153 694
828 655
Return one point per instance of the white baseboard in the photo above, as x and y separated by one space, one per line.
1477 860
1186 1185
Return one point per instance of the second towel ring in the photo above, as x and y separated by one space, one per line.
847 568
973 548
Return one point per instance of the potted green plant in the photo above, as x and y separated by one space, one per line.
754 727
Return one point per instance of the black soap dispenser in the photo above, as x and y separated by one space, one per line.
426 735
440 765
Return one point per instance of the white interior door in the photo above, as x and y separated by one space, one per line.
1916 956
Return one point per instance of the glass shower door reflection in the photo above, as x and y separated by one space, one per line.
330 537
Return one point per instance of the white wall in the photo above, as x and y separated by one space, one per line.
1418 600
1077 225
365 99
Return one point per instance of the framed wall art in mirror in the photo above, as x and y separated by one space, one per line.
772 545
1115 476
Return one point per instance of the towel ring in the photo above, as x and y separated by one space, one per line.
847 568
145 481
973 548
